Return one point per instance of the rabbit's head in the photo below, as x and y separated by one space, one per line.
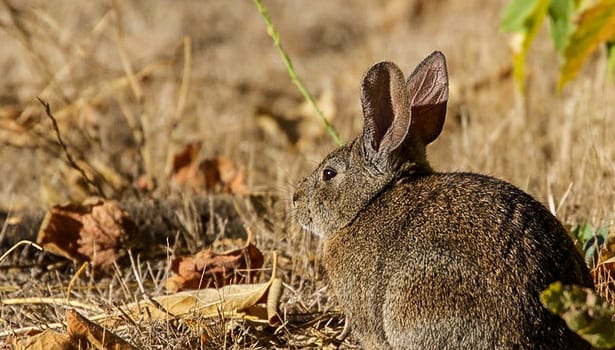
401 118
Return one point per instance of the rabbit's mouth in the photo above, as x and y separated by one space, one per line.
303 214
307 224
305 219
310 227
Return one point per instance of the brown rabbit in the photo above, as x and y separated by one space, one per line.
426 260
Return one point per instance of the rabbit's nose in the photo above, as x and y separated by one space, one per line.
295 197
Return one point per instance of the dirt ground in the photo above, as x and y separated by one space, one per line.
127 98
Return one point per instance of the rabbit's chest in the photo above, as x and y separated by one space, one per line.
350 259
355 270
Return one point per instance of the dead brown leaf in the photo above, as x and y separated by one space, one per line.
255 302
47 340
222 173
210 269
86 232
80 329
218 175
183 164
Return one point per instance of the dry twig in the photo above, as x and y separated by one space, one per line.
69 157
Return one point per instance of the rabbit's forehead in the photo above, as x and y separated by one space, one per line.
338 158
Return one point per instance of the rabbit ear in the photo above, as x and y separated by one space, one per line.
385 107
428 90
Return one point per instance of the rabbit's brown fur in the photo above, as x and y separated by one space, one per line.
425 260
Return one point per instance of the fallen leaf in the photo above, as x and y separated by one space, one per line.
210 269
96 232
47 340
221 176
218 175
183 164
80 330
254 302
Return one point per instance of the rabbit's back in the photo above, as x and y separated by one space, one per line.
454 260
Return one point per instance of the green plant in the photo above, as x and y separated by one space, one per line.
585 231
584 311
578 28
273 33
592 239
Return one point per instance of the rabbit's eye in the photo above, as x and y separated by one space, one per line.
328 174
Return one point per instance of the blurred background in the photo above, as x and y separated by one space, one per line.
181 99
132 83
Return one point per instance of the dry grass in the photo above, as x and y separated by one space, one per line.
132 82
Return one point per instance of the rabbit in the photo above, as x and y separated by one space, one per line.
426 260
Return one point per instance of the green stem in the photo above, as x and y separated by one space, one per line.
292 73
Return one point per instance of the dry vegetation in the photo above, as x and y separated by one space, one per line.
131 83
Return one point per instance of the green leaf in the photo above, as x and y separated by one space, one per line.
592 239
591 243
596 26
524 18
583 232
560 13
603 231
515 15
584 311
